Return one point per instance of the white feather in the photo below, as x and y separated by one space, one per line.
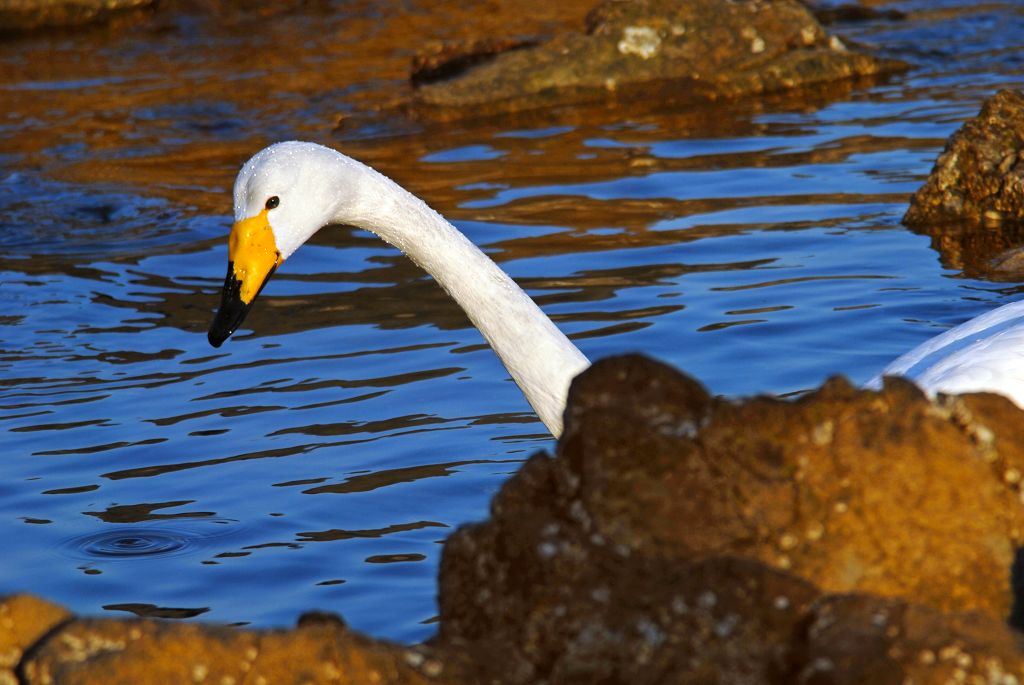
983 354
318 186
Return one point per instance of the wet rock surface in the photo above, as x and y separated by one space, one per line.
38 645
847 536
696 50
27 15
832 14
979 177
24 620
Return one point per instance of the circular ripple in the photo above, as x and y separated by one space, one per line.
120 544
133 542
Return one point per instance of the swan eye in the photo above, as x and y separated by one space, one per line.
273 202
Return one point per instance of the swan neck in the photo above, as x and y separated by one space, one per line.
538 356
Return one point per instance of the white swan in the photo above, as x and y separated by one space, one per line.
984 354
288 191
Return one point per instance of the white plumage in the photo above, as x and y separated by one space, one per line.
985 354
297 188
301 187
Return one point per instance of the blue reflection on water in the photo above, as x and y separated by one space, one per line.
319 459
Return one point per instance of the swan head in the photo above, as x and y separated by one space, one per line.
283 195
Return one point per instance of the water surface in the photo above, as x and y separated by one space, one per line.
321 456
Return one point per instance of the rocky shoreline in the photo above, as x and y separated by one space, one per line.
673 537
846 536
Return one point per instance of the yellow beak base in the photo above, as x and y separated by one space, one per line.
252 259
253 252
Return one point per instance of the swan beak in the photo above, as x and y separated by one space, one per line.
252 259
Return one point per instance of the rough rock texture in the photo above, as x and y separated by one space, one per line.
853 490
617 618
441 60
979 177
697 49
861 639
137 651
23 621
22 15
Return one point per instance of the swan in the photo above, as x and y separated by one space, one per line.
983 354
288 191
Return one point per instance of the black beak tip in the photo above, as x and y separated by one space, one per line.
224 324
216 338
231 312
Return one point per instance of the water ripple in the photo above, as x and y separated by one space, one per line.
134 542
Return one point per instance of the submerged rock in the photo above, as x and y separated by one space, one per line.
979 177
986 250
695 49
25 15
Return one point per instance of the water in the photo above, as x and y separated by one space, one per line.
320 457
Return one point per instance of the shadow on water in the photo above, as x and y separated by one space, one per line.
318 459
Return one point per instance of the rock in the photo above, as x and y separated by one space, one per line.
979 177
819 486
618 559
25 15
138 651
23 621
633 621
853 490
833 14
861 639
442 60
694 50
583 612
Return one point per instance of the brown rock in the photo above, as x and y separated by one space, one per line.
23 620
696 49
625 619
831 14
979 177
24 15
439 61
863 639
854 490
138 651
